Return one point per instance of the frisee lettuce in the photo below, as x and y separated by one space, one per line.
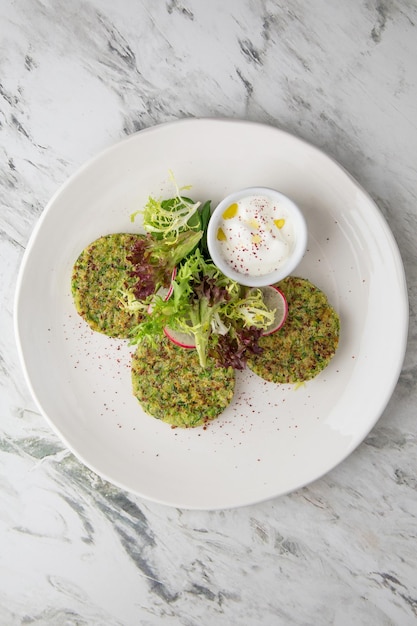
175 228
167 218
206 304
154 260
225 318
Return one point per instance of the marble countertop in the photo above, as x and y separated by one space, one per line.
75 77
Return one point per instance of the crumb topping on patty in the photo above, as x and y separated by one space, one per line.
307 341
171 385
99 274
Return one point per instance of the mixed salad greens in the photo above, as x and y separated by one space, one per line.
224 318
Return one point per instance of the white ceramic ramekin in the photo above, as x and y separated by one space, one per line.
295 255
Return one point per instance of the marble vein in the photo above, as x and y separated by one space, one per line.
76 77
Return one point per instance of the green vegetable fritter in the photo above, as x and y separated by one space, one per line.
306 343
171 385
99 274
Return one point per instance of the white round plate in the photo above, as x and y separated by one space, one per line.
273 438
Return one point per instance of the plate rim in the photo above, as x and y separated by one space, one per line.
395 251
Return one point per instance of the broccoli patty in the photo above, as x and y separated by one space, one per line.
99 273
171 385
306 343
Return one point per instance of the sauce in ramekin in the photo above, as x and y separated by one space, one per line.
256 235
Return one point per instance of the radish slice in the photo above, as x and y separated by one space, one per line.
183 340
164 292
275 299
171 288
